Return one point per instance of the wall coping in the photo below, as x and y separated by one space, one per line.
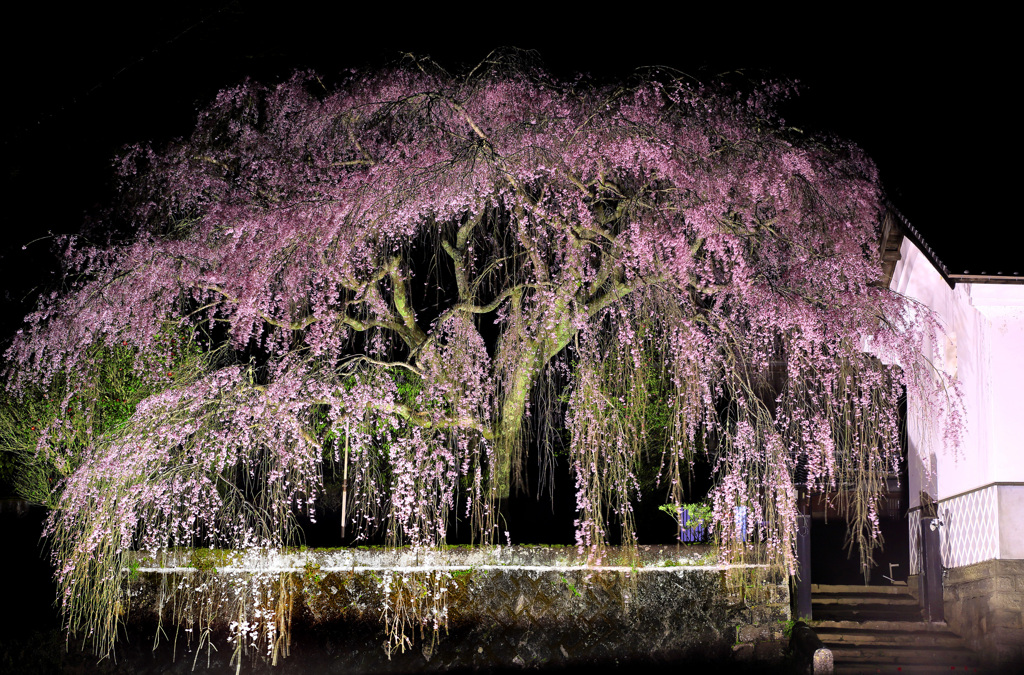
409 560
995 484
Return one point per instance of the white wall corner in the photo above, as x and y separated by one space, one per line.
1011 522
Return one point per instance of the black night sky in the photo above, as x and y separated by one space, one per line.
927 98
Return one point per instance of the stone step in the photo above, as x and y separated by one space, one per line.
860 590
868 668
866 612
863 598
868 606
945 657
896 638
903 626
879 629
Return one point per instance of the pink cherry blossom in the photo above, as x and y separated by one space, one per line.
415 271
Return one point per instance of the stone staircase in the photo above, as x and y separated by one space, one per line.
879 629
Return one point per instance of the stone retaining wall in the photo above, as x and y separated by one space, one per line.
984 603
507 607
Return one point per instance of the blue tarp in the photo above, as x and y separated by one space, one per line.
698 533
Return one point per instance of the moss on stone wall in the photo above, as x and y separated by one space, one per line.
984 604
560 611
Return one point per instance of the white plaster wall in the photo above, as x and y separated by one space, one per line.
1011 522
1002 308
985 353
933 468
970 467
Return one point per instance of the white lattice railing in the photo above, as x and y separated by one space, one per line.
970 529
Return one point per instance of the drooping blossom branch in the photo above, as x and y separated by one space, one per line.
397 266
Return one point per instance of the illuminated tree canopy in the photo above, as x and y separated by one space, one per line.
414 270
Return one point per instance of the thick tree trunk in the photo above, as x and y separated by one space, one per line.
510 434
510 426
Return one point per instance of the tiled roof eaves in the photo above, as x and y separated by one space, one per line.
911 232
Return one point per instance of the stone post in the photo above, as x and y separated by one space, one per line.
803 564
931 569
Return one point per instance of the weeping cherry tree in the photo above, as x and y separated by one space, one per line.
419 274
